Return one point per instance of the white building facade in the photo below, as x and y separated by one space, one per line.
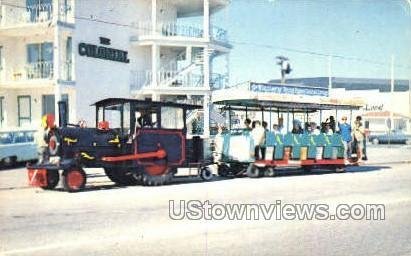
83 51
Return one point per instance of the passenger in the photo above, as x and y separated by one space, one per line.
265 125
281 127
345 131
258 135
297 127
364 151
359 136
314 129
328 130
276 129
331 121
247 124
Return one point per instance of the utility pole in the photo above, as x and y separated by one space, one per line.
392 94
330 85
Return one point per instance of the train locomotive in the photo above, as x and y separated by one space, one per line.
135 142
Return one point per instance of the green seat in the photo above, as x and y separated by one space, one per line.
337 143
293 141
307 140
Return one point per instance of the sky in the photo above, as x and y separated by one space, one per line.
370 30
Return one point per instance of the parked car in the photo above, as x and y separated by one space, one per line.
17 146
394 137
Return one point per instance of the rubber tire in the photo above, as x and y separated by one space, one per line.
66 185
11 161
53 178
270 172
253 171
206 174
120 177
375 141
307 169
339 169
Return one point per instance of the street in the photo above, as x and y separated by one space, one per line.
111 220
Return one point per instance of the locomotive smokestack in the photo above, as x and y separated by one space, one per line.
62 113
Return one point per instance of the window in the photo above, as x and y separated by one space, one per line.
40 60
112 114
69 49
39 10
1 58
48 104
24 110
1 112
172 118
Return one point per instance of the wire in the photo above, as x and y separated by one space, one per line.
234 42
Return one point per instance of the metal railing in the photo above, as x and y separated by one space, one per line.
143 79
39 70
14 15
172 29
67 71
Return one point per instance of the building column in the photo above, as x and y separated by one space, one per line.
154 16
227 59
206 107
56 60
206 67
155 57
206 20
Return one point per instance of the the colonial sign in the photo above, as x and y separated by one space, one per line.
103 52
288 89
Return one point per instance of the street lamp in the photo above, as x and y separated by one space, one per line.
285 66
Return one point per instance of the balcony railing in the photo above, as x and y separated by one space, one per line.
14 15
175 29
143 79
39 70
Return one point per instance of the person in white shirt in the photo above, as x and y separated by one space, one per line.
258 135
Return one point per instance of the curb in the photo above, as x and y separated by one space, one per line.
389 162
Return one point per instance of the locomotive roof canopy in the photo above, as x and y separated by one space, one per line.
143 103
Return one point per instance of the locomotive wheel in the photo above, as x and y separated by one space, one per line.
223 170
206 173
53 178
74 179
120 176
253 171
156 175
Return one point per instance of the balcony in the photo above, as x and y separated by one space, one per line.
171 79
182 32
36 74
18 20
167 79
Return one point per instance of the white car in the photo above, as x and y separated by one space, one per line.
17 146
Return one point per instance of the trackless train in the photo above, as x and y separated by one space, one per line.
145 142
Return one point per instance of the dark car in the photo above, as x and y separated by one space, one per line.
394 137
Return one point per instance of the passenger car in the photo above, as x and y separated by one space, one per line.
17 146
394 137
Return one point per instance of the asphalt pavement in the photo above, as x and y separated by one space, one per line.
111 220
